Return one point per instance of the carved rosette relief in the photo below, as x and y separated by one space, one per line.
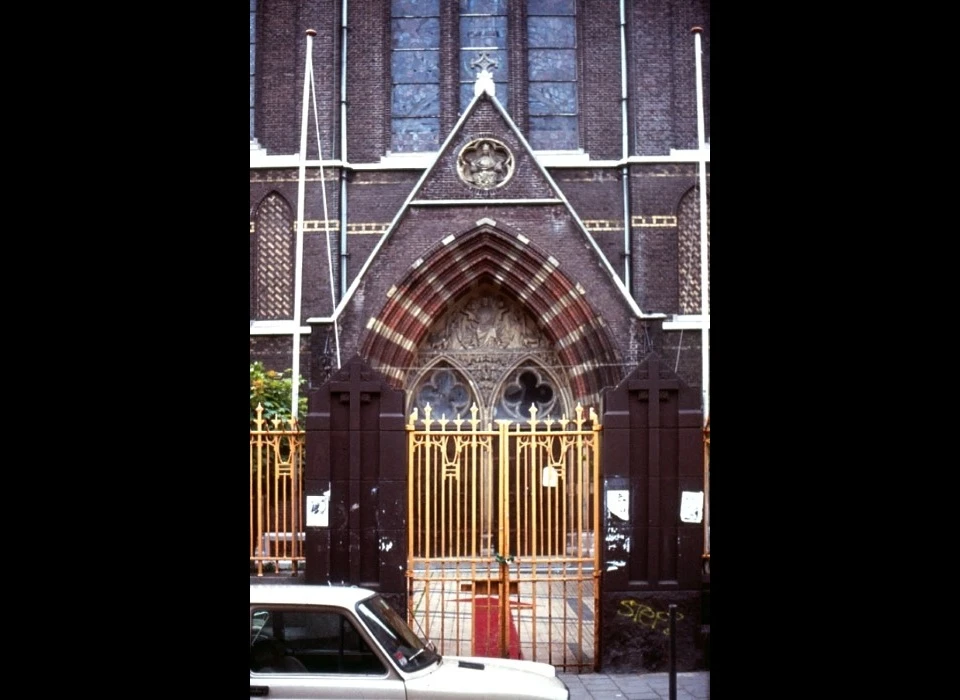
485 164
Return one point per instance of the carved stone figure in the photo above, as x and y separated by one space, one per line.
485 163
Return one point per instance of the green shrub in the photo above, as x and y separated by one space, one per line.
274 390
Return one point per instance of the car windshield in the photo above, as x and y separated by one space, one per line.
391 630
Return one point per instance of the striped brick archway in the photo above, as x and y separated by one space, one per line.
488 253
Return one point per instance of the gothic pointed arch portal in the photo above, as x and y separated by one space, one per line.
511 358
484 317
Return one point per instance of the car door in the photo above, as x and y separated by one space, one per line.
314 652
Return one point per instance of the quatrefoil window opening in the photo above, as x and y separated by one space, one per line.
528 388
446 393
449 395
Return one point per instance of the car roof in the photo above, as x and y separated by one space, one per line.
306 594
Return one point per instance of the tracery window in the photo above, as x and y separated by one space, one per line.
483 32
415 71
528 386
483 45
552 72
489 351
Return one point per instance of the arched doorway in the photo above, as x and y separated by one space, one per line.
502 360
502 489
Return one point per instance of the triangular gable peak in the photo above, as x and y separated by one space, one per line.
486 158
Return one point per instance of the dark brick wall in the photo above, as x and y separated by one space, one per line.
656 190
682 351
274 351
597 197
281 56
278 91
373 198
662 74
368 82
601 83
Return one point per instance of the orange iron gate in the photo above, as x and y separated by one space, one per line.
276 494
503 520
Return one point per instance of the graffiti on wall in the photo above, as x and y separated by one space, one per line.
645 615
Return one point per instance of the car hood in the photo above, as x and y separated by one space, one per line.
476 677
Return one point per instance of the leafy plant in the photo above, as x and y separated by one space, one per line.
274 390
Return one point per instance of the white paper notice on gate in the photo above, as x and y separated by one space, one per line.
618 503
318 512
691 506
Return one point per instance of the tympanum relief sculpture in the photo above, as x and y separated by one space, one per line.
489 350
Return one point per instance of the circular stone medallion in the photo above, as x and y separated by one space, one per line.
485 164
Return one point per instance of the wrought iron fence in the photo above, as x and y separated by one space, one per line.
276 494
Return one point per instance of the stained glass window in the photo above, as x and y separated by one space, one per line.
415 71
483 45
552 72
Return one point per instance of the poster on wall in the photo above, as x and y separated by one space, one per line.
618 503
691 506
318 512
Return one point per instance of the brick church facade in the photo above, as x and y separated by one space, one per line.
500 202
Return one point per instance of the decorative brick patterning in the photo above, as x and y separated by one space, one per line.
276 256
487 254
688 245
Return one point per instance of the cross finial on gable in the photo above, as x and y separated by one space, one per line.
484 83
484 77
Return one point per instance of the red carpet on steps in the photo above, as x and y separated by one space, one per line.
486 631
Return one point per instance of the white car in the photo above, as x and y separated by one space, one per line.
345 642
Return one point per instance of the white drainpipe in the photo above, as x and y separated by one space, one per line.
625 173
704 266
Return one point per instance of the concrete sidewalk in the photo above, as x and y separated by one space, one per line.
636 686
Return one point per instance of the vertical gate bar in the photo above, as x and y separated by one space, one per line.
503 462
442 487
427 483
504 512
283 495
456 501
535 533
254 487
461 494
486 504
270 513
595 500
472 551
514 468
582 467
550 494
258 540
295 501
412 518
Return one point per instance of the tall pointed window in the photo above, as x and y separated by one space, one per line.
415 71
483 46
552 72
274 256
